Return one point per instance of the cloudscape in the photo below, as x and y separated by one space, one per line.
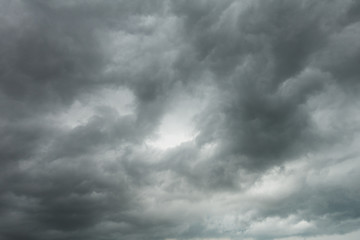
179 119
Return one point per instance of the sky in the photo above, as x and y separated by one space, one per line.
179 120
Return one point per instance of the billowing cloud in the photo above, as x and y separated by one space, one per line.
178 119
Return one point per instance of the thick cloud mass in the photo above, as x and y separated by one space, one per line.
179 119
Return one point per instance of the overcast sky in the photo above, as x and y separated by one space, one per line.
179 119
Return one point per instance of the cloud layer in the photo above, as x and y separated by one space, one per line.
179 119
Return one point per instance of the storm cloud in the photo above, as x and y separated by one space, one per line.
179 119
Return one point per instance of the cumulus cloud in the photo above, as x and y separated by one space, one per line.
180 119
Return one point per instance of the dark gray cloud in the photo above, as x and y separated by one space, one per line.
179 119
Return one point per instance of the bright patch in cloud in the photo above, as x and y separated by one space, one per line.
177 126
